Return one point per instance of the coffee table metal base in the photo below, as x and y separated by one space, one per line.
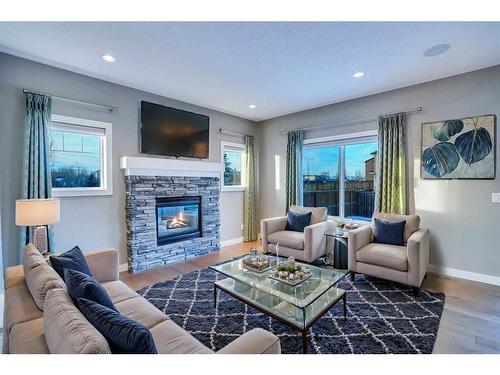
303 331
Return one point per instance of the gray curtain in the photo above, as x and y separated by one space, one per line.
36 180
249 207
390 184
294 179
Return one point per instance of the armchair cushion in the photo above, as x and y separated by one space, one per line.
412 223
297 222
318 214
389 232
383 255
294 240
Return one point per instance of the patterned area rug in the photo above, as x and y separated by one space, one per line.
382 317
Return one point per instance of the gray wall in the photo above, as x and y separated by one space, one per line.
464 224
91 222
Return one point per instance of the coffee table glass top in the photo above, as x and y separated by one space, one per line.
301 295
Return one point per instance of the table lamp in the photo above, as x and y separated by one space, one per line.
38 213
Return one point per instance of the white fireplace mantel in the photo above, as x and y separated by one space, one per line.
140 166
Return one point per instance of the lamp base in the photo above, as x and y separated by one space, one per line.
40 239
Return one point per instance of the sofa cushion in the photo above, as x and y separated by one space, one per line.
40 280
124 335
389 232
28 338
14 276
297 222
411 226
19 307
72 259
66 329
172 339
118 291
318 214
294 240
388 256
81 285
32 258
141 311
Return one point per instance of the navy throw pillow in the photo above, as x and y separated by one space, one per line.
389 232
73 260
297 222
124 335
81 285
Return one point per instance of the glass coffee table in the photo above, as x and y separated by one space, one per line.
299 306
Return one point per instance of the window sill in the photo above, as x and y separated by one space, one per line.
233 188
359 222
68 193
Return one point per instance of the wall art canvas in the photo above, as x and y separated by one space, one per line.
459 149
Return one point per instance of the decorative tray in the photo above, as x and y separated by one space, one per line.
293 282
258 265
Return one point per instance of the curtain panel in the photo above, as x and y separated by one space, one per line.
390 186
36 179
249 202
294 175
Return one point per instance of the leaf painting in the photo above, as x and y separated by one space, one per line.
459 149
440 159
447 130
474 145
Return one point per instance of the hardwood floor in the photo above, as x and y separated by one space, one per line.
471 316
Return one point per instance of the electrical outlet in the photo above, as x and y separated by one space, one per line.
495 197
241 226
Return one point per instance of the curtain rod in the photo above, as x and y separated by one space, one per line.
60 98
233 133
356 121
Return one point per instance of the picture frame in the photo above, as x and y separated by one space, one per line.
459 149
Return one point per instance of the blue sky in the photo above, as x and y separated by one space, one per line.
326 159
74 149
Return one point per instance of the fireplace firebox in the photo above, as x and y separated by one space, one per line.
177 219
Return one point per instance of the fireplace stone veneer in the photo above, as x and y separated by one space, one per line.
141 201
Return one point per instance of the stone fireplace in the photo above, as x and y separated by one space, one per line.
172 210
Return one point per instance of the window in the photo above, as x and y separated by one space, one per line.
234 166
80 157
339 174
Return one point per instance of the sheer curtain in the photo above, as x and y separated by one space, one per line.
390 186
36 180
249 206
294 179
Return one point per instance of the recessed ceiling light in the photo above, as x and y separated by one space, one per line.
252 106
108 58
437 50
358 74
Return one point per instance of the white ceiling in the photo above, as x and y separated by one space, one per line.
279 67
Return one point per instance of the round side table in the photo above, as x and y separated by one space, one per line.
336 249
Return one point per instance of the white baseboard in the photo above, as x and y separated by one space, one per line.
123 267
232 241
467 275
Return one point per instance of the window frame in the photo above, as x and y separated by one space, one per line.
68 123
231 146
341 141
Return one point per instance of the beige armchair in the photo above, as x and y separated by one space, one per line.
403 264
307 246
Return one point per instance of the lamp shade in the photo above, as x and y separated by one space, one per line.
31 212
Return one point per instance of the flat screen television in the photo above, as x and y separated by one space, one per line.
173 132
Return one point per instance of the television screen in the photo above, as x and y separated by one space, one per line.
173 132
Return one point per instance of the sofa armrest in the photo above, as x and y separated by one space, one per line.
315 241
418 256
103 264
14 276
268 226
256 341
358 238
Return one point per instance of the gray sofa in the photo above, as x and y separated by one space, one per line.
40 317
404 264
306 246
